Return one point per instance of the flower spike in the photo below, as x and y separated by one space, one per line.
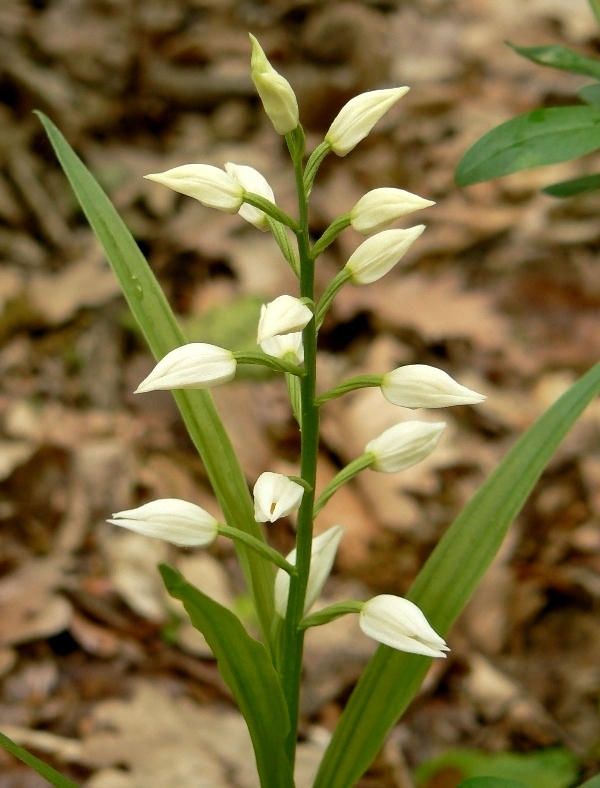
193 366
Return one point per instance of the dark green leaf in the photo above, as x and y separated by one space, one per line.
562 58
158 324
545 136
590 93
249 673
50 774
444 585
588 183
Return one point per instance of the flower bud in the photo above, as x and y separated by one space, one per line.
210 185
380 207
275 496
396 622
284 315
251 181
380 253
421 386
288 347
356 119
193 366
404 444
322 556
179 522
276 94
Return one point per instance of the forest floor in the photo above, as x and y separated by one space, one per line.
502 291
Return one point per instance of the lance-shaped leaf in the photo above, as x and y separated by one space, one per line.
444 586
163 334
249 674
50 774
560 57
587 183
545 136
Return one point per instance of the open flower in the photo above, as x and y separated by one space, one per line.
404 444
287 347
252 181
193 366
380 253
380 207
324 548
275 496
276 94
284 315
210 185
398 623
356 119
179 522
422 386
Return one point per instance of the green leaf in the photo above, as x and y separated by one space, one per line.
50 774
553 768
587 183
444 585
545 136
562 58
246 667
158 324
590 93
593 782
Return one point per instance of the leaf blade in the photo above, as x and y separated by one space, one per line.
47 772
587 183
248 672
544 136
560 57
162 332
444 585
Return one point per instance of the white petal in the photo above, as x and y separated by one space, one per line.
422 386
210 185
356 119
323 550
399 623
284 315
404 444
288 346
380 207
275 496
171 519
380 253
252 181
193 366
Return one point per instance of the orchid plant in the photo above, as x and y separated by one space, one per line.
265 676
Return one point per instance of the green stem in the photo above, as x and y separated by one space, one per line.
336 284
264 360
330 613
271 210
330 234
293 636
352 384
347 473
258 546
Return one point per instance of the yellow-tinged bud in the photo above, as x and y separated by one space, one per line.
404 444
380 253
380 207
276 94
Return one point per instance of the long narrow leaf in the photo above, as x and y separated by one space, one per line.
588 183
249 673
444 585
158 324
545 136
560 57
590 93
47 772
490 782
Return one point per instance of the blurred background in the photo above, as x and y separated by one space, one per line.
100 673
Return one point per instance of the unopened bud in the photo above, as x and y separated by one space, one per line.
275 496
380 253
276 94
397 622
193 366
380 207
179 522
210 185
404 444
252 181
284 315
422 386
288 347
